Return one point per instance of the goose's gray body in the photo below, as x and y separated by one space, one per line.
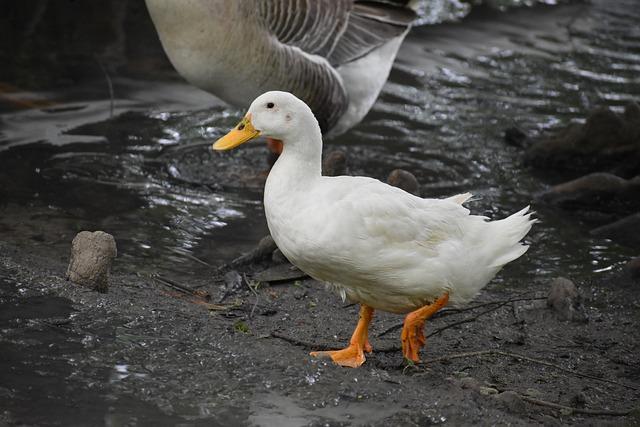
333 54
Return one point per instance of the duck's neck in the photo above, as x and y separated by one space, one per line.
300 161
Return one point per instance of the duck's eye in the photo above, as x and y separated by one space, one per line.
270 105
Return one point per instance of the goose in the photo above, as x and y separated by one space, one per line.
373 243
334 54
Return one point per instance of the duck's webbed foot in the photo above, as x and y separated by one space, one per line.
353 355
413 330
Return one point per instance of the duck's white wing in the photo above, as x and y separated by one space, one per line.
373 229
315 36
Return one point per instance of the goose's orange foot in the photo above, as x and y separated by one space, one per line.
352 356
413 331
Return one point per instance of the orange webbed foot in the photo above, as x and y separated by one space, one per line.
352 356
412 341
413 330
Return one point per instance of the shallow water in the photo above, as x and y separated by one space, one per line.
146 174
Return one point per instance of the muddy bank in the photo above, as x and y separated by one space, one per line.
141 354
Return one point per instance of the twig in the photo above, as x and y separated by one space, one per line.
451 311
110 86
195 296
576 410
300 343
527 358
255 293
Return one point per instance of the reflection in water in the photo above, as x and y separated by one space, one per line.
148 176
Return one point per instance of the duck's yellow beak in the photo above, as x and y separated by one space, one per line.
240 134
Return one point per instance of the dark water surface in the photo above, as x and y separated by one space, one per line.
148 177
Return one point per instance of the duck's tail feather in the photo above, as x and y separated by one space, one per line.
506 235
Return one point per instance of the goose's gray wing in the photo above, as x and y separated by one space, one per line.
337 30
316 36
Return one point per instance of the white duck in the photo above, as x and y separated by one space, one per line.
334 54
376 244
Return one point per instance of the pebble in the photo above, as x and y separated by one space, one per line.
405 180
515 137
565 299
335 164
633 268
92 254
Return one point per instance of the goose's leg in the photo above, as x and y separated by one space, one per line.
353 355
413 331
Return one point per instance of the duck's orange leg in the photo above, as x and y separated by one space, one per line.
353 355
413 330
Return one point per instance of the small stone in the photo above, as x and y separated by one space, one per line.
278 257
515 137
487 390
92 254
266 246
405 180
300 293
511 401
566 301
335 164
633 268
232 280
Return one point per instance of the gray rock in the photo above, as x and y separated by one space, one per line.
565 299
625 231
606 142
404 179
511 401
280 273
335 164
597 191
91 257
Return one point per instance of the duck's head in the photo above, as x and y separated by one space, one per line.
276 115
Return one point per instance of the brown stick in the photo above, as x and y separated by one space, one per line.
447 312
